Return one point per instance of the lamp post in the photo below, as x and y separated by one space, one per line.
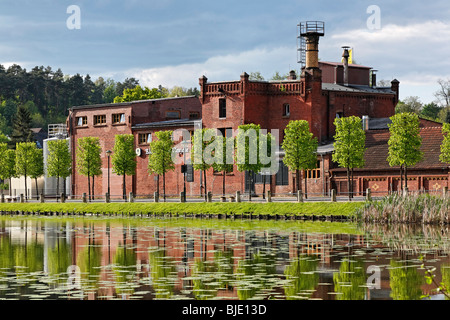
108 153
184 168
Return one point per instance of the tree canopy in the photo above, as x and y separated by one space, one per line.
404 141
349 146
124 157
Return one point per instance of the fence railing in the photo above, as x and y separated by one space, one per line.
332 196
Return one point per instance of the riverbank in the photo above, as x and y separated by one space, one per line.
412 209
334 211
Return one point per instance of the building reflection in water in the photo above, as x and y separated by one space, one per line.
105 260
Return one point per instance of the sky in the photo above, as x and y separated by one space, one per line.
175 42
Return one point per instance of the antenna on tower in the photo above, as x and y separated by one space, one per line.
308 43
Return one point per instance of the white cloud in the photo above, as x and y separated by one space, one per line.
415 54
221 68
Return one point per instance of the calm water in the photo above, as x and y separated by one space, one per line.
145 259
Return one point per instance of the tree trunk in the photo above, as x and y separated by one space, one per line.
57 187
250 187
157 183
348 185
297 179
93 187
223 182
124 187
26 188
306 185
401 179
264 186
351 182
89 187
10 187
206 189
406 176
37 189
164 185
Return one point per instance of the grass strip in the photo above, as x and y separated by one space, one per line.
348 209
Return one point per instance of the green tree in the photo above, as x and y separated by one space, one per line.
256 76
349 146
160 159
445 146
7 163
430 111
300 147
25 157
247 155
226 152
89 162
37 167
124 158
59 161
404 143
409 104
200 158
139 93
22 126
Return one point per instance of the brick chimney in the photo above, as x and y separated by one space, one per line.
345 57
395 86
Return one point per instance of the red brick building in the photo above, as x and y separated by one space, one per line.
107 120
323 91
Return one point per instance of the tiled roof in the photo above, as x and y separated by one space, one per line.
168 123
355 88
122 104
377 149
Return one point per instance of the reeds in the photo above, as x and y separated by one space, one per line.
412 208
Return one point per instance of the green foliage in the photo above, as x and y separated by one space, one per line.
89 162
430 111
350 280
405 140
349 145
37 167
25 163
300 146
22 126
7 162
445 146
247 155
160 160
409 104
59 160
124 156
405 281
201 159
139 93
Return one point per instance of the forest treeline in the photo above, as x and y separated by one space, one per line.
47 94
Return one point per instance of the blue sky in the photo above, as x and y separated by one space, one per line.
174 42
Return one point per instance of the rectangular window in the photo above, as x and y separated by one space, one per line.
190 173
173 114
81 121
194 115
259 178
314 173
286 110
100 119
222 108
145 138
118 118
282 176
